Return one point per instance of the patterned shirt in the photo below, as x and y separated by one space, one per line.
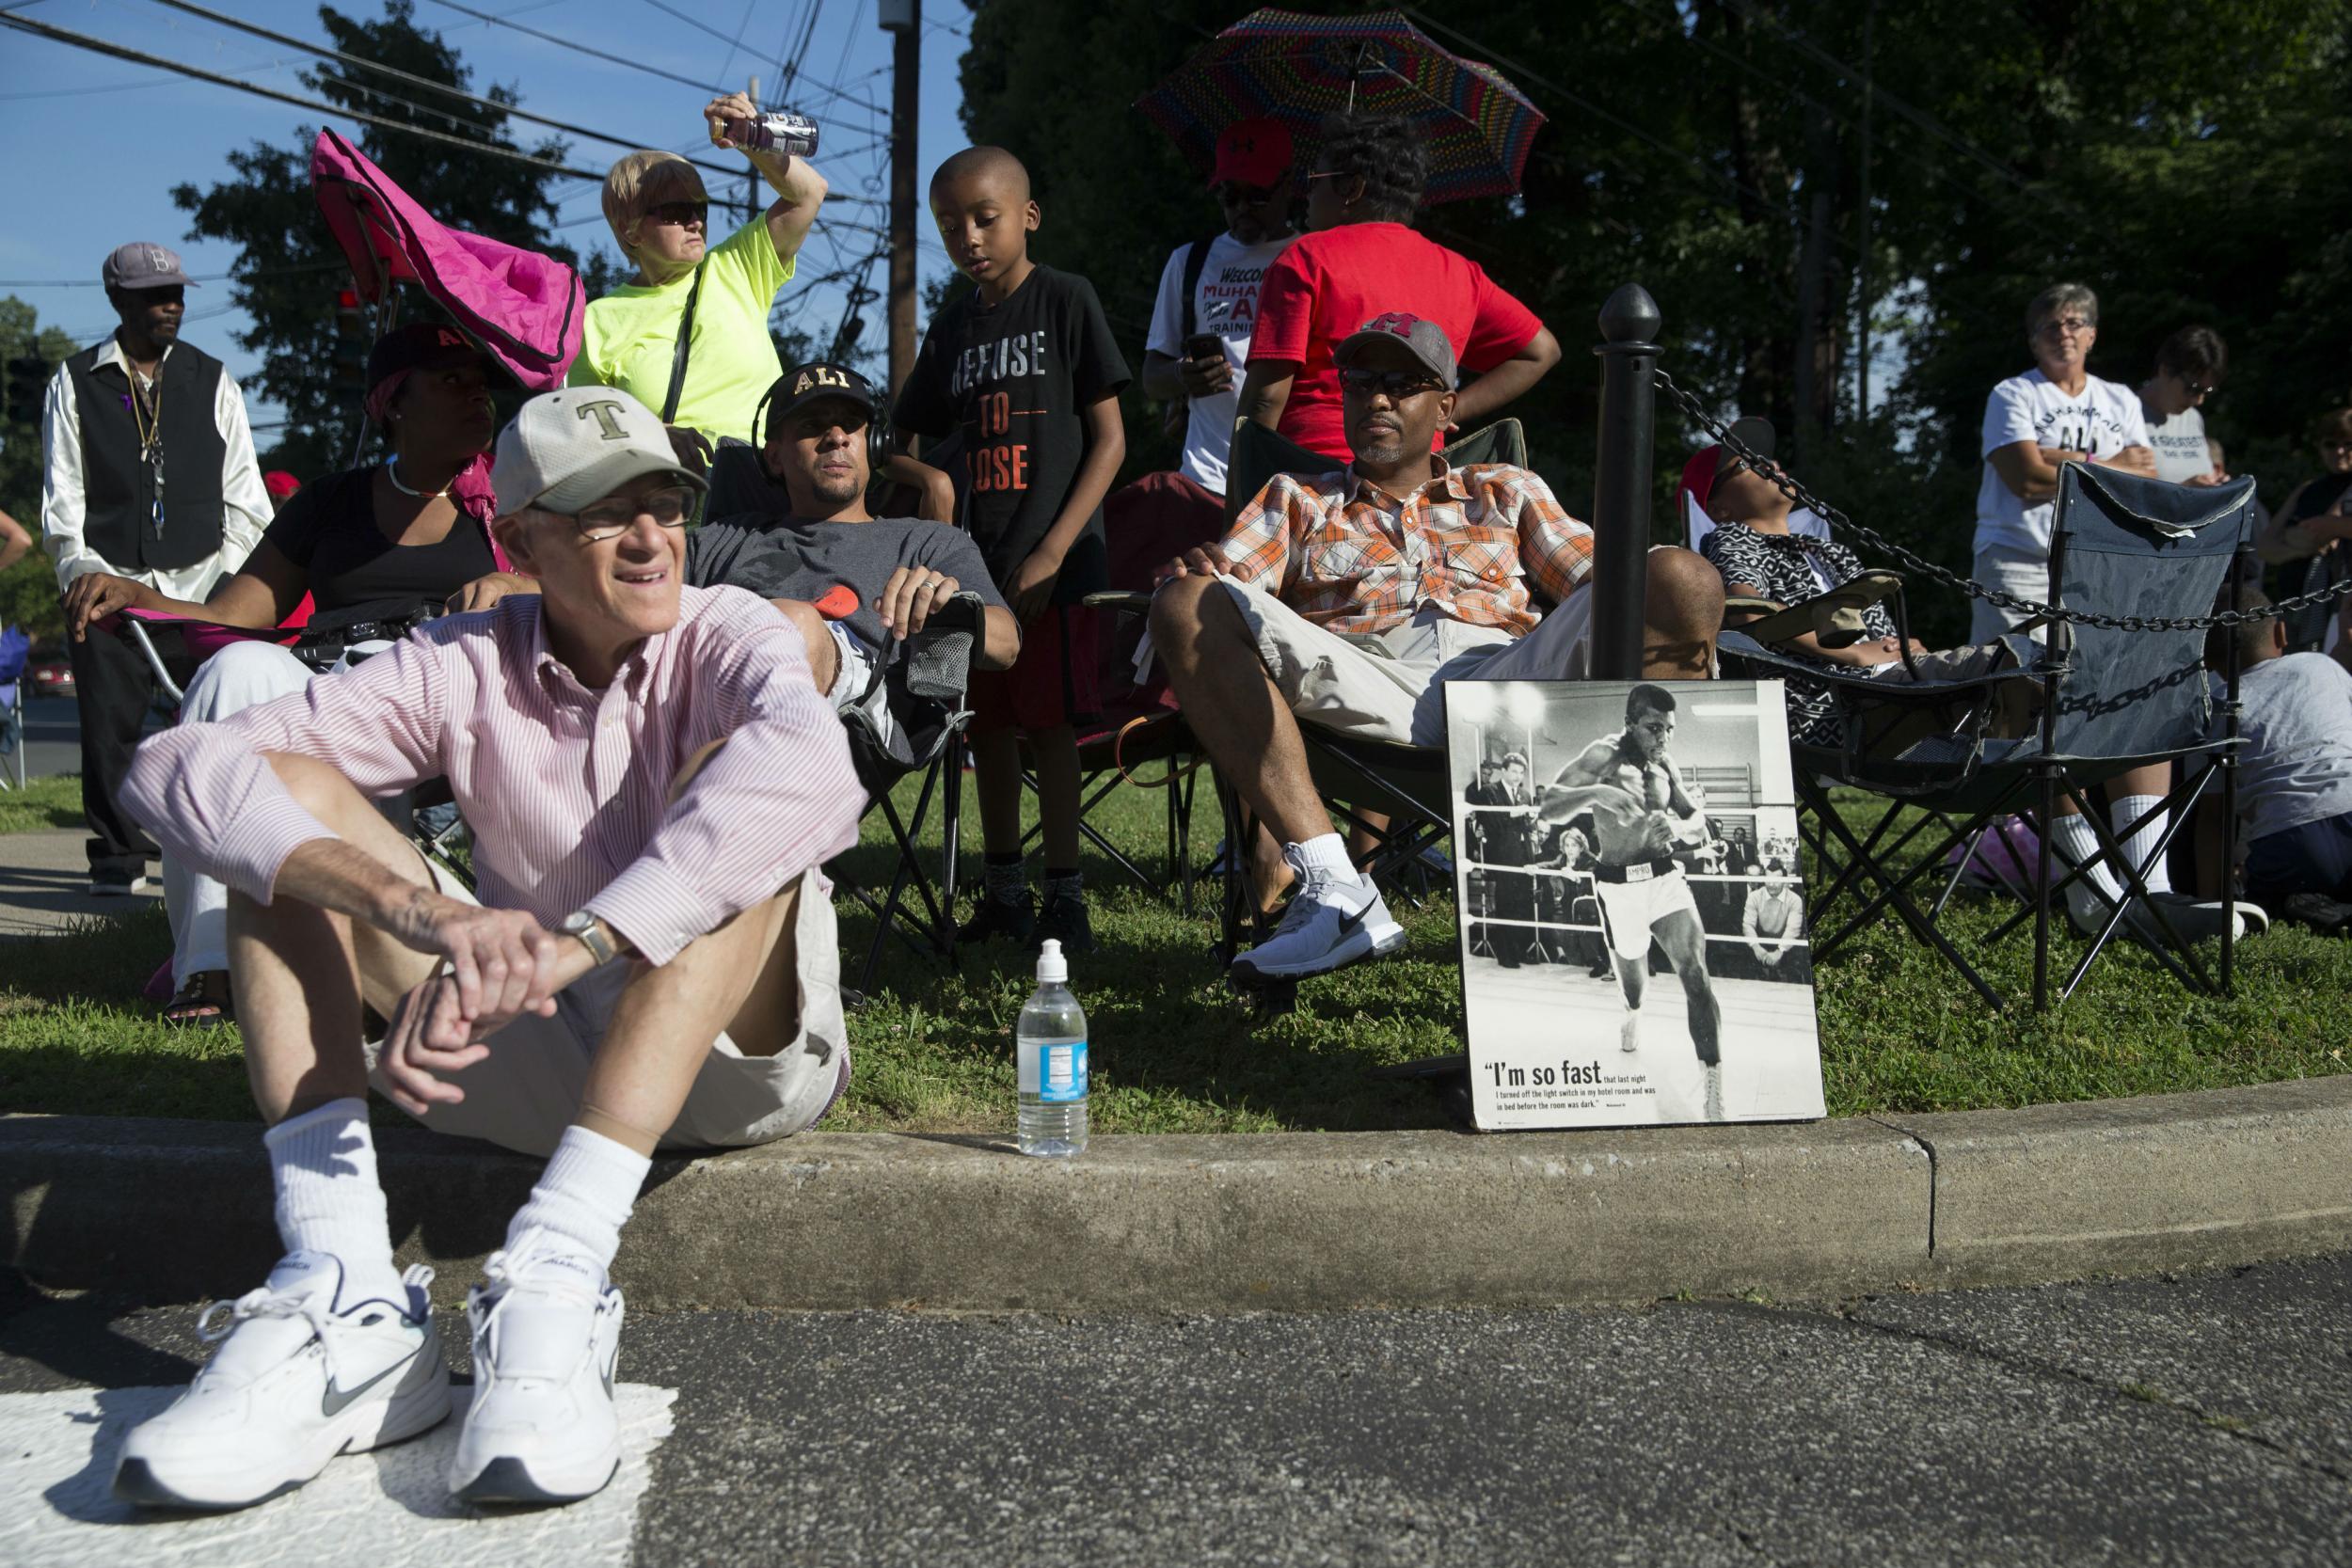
566 788
1790 568
1350 556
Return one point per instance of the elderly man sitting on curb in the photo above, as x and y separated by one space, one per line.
651 780
849 581
1347 599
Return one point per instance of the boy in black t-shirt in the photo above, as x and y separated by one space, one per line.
1026 370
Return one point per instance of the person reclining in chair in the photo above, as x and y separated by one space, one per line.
1759 558
1346 599
652 960
850 581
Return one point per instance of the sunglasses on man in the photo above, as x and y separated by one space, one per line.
1398 384
681 214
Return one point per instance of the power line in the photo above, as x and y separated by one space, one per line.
102 46
491 103
695 21
208 278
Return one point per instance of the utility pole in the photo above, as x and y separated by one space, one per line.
1862 268
903 21
751 174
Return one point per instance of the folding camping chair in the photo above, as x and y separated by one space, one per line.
15 654
2111 697
1405 788
924 690
174 647
1138 722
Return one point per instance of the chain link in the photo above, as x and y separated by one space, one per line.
2028 608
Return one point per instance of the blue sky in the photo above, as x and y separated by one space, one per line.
96 143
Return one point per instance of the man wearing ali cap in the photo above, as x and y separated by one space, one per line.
1207 307
147 473
1347 598
652 781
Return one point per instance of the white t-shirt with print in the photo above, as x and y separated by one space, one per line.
2103 421
2180 446
1226 304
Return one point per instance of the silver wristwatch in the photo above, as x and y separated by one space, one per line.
580 924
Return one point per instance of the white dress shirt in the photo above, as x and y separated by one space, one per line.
64 500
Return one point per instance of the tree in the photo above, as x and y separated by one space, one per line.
28 591
2183 157
290 271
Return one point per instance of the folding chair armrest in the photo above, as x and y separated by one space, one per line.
1121 601
1834 618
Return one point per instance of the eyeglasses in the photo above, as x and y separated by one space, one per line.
681 214
608 520
2069 324
2198 388
1232 193
1398 384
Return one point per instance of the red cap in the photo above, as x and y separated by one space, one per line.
279 484
1252 152
1699 476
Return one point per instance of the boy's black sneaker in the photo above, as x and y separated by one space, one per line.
1012 920
1064 920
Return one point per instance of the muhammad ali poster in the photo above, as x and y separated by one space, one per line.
1633 920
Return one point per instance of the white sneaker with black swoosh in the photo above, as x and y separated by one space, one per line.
301 1375
1329 924
546 1347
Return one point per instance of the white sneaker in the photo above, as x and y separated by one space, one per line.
300 1377
1714 1092
1629 1032
547 1344
1328 925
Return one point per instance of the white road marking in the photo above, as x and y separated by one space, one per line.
390 1509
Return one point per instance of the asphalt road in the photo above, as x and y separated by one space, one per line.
53 737
2200 1420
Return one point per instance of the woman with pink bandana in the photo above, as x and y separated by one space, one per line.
412 527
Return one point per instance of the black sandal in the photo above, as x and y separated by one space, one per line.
203 1003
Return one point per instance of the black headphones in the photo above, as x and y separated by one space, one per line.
822 375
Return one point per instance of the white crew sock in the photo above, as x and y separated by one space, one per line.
1325 855
2142 844
323 1163
584 1197
2076 842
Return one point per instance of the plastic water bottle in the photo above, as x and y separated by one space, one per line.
1050 1045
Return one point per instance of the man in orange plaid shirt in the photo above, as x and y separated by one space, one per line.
1347 599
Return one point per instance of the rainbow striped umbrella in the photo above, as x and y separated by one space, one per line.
1297 68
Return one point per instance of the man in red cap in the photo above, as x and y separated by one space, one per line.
1208 302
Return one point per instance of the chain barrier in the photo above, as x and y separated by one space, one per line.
2028 608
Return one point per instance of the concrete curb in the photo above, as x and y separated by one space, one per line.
1295 1221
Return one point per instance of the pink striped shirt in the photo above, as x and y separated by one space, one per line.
565 789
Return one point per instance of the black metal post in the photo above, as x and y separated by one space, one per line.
1621 482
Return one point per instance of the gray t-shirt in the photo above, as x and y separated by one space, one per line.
2297 764
783 558
2179 444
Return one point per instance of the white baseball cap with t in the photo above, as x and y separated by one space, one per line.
570 449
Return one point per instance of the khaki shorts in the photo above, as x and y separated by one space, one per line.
1390 686
2023 573
527 1091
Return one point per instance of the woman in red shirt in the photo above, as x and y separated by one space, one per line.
1359 259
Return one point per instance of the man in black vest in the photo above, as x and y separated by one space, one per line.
149 473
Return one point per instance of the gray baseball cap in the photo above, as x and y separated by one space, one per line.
143 266
1424 339
571 449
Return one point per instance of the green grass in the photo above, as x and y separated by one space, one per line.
41 805
1173 1051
